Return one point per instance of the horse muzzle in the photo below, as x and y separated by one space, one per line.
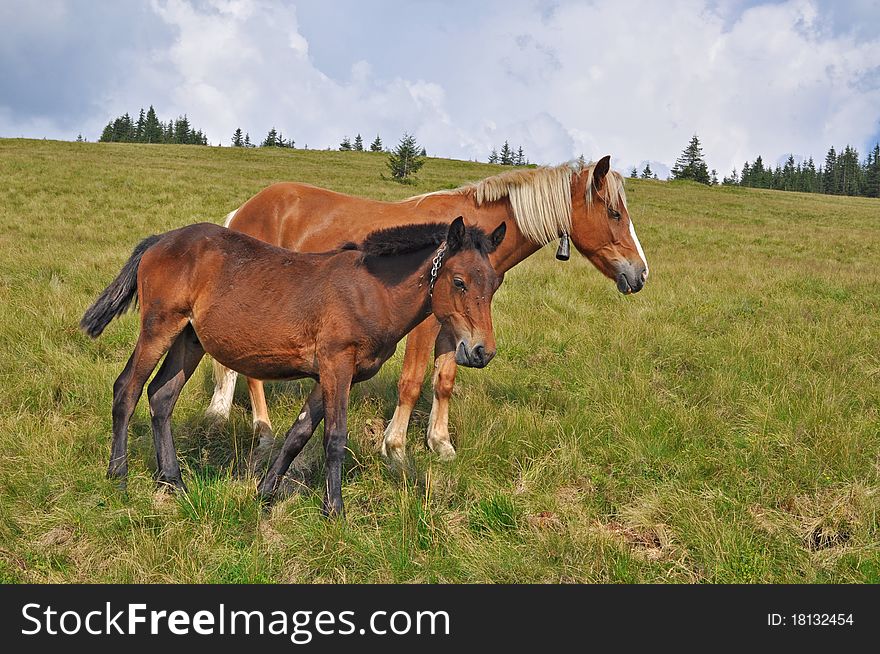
476 357
629 280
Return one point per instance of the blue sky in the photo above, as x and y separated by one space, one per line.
561 78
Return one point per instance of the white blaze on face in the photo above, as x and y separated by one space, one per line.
632 232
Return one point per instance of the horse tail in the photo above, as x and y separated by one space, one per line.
229 217
119 296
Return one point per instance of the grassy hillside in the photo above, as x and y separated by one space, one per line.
721 426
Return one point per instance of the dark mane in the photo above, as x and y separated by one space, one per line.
406 239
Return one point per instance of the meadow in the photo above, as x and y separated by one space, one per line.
722 426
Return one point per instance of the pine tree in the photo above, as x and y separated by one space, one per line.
713 178
691 165
872 173
829 177
247 141
282 142
730 181
107 133
345 145
789 182
79 138
646 171
237 139
423 153
634 173
152 127
493 156
140 127
271 139
758 174
519 158
358 143
405 160
850 172
181 130
506 158
376 145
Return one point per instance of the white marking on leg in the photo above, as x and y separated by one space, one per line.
394 441
224 389
301 416
632 232
438 431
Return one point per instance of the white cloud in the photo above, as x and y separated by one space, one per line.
633 79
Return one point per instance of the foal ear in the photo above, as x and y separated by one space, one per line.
601 169
455 236
497 236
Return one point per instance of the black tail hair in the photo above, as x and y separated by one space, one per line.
119 296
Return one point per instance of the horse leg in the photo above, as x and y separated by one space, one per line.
335 391
415 360
224 389
444 381
262 425
297 436
152 343
163 392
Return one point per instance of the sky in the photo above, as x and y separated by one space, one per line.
562 78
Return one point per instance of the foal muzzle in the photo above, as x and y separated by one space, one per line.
476 357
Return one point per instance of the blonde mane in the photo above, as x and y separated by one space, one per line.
540 197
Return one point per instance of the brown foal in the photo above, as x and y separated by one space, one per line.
584 202
335 317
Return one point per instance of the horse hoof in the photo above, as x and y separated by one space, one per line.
444 451
394 455
216 417
333 511
171 485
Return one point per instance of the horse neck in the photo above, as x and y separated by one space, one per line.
515 247
405 281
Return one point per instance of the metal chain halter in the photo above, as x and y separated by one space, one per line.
436 262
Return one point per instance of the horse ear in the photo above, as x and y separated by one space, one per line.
497 236
600 170
455 236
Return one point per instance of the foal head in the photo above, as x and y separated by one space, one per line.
601 228
463 288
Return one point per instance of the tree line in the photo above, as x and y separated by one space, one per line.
149 129
842 173
507 156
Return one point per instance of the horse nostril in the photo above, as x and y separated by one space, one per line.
478 355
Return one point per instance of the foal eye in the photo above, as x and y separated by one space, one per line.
614 214
459 284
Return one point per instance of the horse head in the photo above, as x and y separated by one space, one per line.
463 285
601 227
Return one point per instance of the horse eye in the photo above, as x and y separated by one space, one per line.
614 214
459 284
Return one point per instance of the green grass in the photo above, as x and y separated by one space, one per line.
721 426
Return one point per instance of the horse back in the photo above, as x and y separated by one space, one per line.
307 218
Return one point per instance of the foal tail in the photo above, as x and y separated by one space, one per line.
119 296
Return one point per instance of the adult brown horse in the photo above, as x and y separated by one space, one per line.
586 202
335 317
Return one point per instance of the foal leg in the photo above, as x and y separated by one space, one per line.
152 343
336 389
163 392
415 360
444 381
297 436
